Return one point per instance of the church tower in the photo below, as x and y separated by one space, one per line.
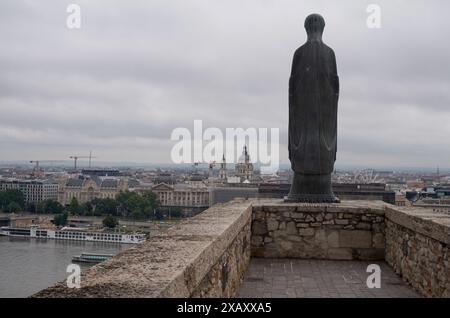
244 168
223 169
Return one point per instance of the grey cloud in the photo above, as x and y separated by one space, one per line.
138 69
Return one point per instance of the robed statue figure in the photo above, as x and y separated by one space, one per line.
313 104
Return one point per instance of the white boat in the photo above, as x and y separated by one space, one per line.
73 235
91 258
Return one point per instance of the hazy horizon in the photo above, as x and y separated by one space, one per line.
204 167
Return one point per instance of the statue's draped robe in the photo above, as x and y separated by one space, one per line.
313 100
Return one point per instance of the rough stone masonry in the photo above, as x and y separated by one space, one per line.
353 230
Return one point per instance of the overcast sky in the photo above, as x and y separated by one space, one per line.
138 69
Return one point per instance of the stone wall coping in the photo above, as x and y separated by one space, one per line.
350 206
424 221
168 265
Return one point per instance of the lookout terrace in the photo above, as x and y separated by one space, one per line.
268 248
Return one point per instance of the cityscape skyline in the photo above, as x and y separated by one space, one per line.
84 164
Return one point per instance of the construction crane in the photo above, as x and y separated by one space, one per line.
210 167
37 169
36 166
75 159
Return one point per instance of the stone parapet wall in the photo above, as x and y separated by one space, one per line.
352 230
417 247
225 276
204 256
207 255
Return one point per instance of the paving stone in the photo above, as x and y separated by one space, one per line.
287 278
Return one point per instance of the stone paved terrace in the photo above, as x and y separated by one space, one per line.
294 278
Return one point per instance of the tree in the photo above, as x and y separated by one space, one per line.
104 206
126 204
86 208
131 202
31 207
151 198
137 214
9 196
74 206
50 206
159 215
176 212
150 203
110 222
13 207
60 219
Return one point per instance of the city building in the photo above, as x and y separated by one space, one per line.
401 200
101 172
415 184
364 191
223 170
190 197
244 168
229 191
87 188
166 178
345 191
34 191
436 205
273 190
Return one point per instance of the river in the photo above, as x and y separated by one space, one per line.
28 265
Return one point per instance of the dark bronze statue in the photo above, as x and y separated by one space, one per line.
313 104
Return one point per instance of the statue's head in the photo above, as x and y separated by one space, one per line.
314 25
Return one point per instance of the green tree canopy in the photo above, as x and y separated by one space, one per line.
13 207
60 219
86 208
136 205
110 222
11 196
50 206
104 206
175 212
74 206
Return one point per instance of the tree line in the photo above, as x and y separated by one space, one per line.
126 204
